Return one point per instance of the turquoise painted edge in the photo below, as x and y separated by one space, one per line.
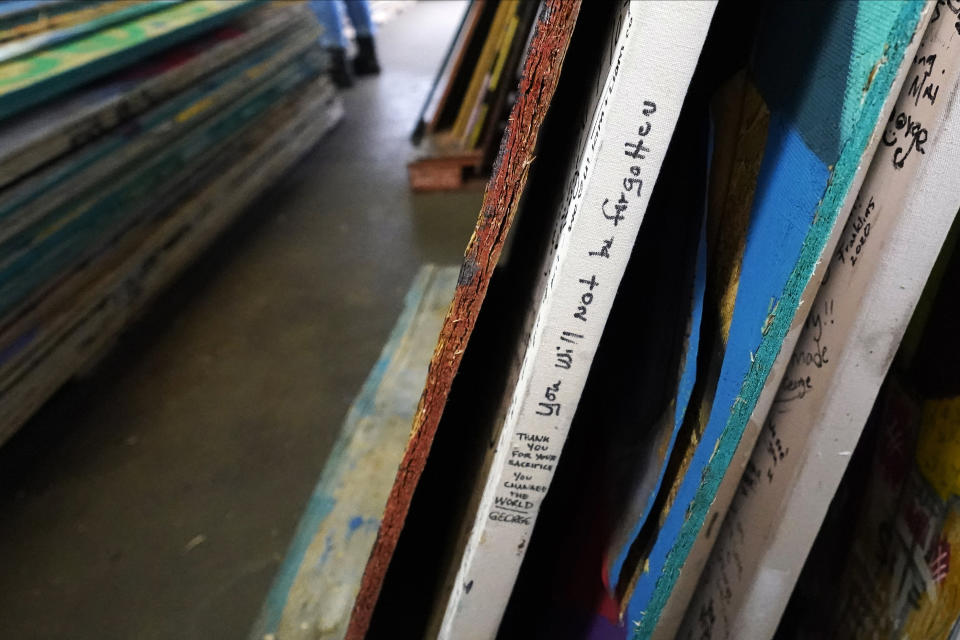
160 115
810 253
322 500
25 271
25 46
31 95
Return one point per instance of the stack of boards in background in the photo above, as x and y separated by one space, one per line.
721 217
465 113
131 133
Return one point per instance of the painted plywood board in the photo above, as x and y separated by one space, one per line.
40 134
22 18
826 97
545 57
41 75
634 113
898 223
114 13
78 320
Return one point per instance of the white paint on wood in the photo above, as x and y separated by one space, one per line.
652 58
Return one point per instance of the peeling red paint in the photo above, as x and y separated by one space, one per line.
539 80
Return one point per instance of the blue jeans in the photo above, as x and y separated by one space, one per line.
330 15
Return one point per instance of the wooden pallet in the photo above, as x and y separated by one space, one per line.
445 171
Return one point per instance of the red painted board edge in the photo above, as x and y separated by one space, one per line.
541 72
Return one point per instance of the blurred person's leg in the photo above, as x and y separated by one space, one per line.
366 61
330 15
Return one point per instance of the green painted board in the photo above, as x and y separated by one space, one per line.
85 170
31 79
32 258
77 322
120 13
39 135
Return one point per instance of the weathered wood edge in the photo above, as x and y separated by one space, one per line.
541 72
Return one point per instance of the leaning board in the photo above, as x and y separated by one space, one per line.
552 32
902 215
823 128
314 590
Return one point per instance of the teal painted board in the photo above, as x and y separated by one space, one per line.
39 76
41 134
825 71
75 230
81 172
76 322
17 13
40 41
313 593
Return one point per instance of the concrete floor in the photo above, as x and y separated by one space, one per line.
156 497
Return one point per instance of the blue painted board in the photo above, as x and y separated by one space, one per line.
824 70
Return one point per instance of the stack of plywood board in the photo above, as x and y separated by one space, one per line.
131 133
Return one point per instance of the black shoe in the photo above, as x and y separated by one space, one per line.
366 63
339 69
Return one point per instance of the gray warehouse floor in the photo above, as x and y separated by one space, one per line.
155 498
